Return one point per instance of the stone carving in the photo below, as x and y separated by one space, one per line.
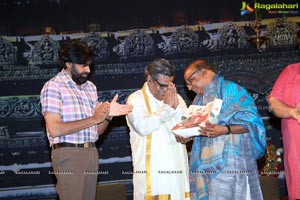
213 43
233 36
45 51
137 44
8 53
19 107
282 32
180 41
97 44
228 36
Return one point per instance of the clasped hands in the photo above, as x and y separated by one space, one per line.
170 96
105 110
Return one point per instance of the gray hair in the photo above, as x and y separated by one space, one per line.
159 66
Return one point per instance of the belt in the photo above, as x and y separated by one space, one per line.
66 144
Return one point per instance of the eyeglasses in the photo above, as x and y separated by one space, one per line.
161 86
189 80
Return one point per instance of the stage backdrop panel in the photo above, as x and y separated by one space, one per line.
26 63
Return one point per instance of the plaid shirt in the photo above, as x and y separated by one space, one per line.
61 96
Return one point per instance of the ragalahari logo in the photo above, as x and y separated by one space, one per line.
246 8
271 8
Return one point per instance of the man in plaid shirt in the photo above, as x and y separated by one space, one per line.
74 120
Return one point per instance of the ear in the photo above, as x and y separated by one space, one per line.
68 64
148 78
204 73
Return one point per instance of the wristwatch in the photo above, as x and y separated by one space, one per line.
108 119
228 128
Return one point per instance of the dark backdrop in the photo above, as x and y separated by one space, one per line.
26 62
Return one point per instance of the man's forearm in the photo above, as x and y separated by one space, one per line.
103 125
58 128
280 109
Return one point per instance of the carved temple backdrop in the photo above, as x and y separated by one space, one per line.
26 62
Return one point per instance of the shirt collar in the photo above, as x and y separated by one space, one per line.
69 80
151 95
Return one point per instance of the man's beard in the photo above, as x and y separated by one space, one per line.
79 78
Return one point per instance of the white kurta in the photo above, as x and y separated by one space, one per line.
162 173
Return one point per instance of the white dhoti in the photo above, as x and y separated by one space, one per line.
160 163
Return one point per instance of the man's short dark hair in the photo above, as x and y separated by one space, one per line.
159 66
75 52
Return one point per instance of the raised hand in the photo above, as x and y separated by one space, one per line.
117 109
170 96
176 101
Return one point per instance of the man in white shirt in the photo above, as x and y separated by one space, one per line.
160 163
